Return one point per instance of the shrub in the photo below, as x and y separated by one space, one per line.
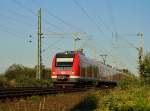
22 76
132 100
3 81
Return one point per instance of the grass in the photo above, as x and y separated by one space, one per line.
124 98
59 102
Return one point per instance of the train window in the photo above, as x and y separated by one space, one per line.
64 62
64 59
65 55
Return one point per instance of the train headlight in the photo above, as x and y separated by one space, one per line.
53 72
73 72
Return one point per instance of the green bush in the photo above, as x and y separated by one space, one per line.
29 82
123 84
18 75
3 81
135 99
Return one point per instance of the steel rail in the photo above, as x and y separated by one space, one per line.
10 93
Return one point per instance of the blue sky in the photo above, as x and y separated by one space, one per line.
98 18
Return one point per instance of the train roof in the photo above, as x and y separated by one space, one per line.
70 52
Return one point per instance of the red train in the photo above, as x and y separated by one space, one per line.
73 67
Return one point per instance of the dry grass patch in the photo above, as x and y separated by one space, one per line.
59 102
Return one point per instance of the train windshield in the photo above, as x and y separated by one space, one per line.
64 62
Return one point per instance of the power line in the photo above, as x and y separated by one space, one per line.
54 43
111 15
55 26
23 6
89 17
47 21
112 18
60 19
15 20
84 11
106 26
17 13
63 21
16 35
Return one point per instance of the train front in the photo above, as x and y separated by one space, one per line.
65 68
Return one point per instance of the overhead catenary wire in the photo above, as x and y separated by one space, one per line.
5 29
23 6
23 16
53 44
13 21
59 19
55 26
112 18
89 17
63 21
48 20
49 13
106 26
55 16
16 21
110 11
33 13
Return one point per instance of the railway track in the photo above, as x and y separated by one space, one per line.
11 93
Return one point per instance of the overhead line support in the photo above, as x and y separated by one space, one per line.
39 50
39 44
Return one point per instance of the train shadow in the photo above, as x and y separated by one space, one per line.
88 104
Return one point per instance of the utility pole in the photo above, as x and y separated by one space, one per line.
104 57
141 53
141 48
75 40
39 50
39 43
75 36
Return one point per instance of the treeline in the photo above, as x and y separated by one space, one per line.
130 79
18 75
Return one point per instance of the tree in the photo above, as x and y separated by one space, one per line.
144 67
126 71
19 71
22 76
3 81
46 73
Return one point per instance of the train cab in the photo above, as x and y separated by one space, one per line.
65 67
